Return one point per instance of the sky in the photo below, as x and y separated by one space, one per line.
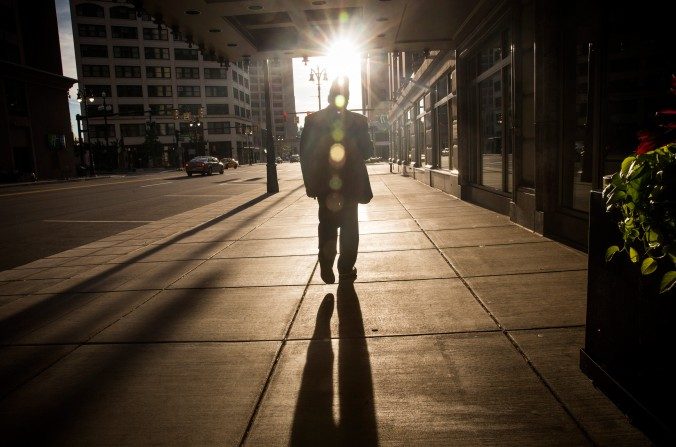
68 56
342 59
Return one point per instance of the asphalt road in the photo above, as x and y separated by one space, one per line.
43 219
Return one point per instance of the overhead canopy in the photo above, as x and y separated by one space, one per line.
235 29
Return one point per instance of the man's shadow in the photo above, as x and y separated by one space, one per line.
313 422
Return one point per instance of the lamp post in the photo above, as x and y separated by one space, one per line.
321 74
84 94
249 133
104 108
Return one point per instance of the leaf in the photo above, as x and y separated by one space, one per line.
633 255
668 281
648 266
611 252
626 163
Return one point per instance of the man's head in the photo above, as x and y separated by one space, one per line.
339 94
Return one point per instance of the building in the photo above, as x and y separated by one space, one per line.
285 122
35 141
535 105
376 100
138 72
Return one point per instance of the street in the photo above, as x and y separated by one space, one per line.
44 219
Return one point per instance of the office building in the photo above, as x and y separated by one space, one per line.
154 91
285 122
536 103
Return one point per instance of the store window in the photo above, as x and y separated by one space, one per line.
492 87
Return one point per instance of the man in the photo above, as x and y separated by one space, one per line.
333 146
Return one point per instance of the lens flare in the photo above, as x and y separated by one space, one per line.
335 183
337 155
334 202
340 101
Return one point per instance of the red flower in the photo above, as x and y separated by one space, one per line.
646 142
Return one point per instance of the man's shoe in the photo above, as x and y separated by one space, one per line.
349 276
326 272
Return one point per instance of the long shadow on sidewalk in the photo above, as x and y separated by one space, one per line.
313 422
63 300
60 413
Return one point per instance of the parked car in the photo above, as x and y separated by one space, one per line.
203 165
294 158
279 160
230 163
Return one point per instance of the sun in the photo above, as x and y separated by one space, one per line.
341 55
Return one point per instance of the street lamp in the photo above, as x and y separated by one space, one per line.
321 74
83 94
248 134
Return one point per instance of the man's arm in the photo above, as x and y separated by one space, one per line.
306 139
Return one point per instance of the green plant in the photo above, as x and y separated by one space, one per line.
642 195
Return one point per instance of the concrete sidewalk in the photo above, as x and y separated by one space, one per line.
212 327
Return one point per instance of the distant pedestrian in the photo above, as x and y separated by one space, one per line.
333 146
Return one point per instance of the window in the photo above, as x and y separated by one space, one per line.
246 83
241 96
218 109
93 50
236 110
247 99
162 109
127 71
209 57
131 109
156 53
187 73
185 54
96 90
218 127
122 12
86 30
125 52
165 128
234 76
216 91
101 131
158 72
89 10
155 34
279 130
492 90
133 130
124 32
215 73
193 109
235 93
129 90
188 90
96 71
277 105
160 90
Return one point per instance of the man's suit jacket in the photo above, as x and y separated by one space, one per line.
333 147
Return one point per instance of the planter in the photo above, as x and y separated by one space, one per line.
630 337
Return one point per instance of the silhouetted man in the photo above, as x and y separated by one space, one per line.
333 146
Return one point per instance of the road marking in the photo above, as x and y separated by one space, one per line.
156 184
98 221
35 191
195 195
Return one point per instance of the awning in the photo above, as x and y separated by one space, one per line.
236 29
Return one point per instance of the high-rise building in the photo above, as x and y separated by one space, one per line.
154 92
36 139
375 97
284 118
